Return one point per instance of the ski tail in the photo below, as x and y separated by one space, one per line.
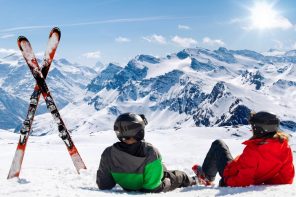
76 158
53 42
16 164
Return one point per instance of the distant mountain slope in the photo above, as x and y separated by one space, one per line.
66 81
194 87
11 110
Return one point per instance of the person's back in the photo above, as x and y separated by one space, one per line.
267 157
276 163
263 161
134 164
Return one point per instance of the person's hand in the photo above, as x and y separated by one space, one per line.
167 184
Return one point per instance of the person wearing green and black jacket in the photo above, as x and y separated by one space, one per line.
134 164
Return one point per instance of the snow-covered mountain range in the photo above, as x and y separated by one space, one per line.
65 80
193 87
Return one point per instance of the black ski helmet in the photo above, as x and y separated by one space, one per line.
130 125
264 122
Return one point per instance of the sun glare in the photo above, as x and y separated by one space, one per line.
263 15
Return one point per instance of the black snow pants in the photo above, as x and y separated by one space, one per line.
173 179
217 158
178 179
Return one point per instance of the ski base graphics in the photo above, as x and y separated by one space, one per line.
41 88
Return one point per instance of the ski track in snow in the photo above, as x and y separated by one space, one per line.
48 170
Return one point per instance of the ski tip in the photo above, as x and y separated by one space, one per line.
21 39
57 31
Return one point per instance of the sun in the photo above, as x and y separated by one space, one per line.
263 15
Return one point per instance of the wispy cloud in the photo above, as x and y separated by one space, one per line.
185 27
119 20
285 46
183 41
92 55
26 28
237 20
156 39
279 44
5 36
293 46
212 42
7 52
121 39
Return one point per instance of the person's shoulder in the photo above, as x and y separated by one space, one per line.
148 146
267 144
261 141
107 150
150 149
279 143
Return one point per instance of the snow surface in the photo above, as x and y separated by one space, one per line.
48 170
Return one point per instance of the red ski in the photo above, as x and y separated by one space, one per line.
53 41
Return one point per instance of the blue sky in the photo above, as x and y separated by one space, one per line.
118 30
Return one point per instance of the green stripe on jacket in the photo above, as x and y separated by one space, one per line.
150 179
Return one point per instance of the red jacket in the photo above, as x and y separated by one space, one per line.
262 162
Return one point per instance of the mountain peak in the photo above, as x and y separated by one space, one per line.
291 53
222 49
147 58
64 61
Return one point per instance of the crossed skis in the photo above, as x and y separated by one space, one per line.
41 88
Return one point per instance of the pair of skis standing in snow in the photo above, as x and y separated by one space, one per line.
41 88
136 165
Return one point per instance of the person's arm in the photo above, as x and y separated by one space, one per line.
154 180
241 172
153 174
105 180
287 172
164 186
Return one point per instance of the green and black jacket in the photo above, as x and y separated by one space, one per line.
136 167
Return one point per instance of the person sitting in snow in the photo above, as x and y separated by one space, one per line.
135 164
266 159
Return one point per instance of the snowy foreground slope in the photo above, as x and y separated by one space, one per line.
48 171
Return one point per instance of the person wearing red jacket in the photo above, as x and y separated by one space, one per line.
266 159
